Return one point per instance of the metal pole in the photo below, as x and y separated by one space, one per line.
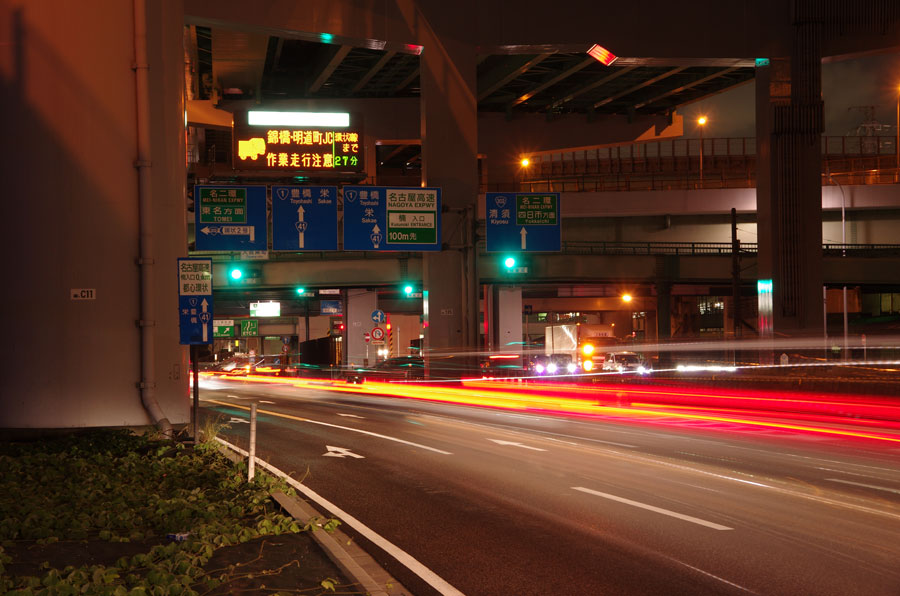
897 144
825 319
196 409
701 156
735 281
251 460
844 253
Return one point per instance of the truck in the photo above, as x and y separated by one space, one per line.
574 347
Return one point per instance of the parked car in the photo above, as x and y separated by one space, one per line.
625 362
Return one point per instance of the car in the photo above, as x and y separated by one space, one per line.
625 362
412 368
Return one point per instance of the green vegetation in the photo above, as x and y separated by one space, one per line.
163 510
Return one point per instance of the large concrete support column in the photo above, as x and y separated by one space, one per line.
789 192
449 160
663 320
358 320
509 319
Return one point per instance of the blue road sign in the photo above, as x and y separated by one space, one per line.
388 218
231 218
330 307
304 218
378 316
195 301
522 222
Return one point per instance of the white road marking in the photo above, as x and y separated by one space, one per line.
354 430
429 576
341 452
514 444
674 514
716 577
238 421
263 401
352 416
884 488
235 396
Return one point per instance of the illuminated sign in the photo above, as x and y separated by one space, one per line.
602 55
265 309
295 148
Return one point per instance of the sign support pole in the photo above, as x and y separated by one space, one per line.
195 412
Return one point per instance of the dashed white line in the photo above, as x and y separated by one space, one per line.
872 486
681 516
263 401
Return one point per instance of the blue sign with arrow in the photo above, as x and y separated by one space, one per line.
522 222
304 218
230 218
195 301
388 218
378 316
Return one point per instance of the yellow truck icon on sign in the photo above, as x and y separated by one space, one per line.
251 148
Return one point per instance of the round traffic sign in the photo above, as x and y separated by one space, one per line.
377 333
366 336
285 348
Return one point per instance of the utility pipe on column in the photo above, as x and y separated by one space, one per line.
145 213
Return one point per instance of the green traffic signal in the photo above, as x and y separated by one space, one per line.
301 291
509 262
236 273
407 289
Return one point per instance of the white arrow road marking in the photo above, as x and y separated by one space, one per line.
238 420
351 416
681 516
523 232
884 488
341 452
514 444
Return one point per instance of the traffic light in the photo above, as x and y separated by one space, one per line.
301 291
241 274
407 289
235 273
513 264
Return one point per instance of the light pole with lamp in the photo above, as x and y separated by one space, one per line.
702 122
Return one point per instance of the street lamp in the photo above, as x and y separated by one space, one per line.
702 122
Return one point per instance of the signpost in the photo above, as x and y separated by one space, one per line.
249 327
223 327
195 316
523 222
230 218
384 218
304 218
378 336
378 316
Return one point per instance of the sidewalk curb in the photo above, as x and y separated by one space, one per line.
350 558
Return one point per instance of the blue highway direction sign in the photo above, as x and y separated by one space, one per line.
388 218
195 301
304 218
522 222
230 218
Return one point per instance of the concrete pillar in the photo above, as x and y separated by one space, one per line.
789 193
358 321
509 314
449 160
663 320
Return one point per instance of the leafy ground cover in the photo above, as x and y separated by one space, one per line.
110 512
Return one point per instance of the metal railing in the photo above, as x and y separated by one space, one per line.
589 247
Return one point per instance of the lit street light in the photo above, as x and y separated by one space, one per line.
702 122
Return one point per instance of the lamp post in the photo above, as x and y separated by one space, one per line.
702 122
524 162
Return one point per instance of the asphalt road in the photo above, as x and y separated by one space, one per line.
498 502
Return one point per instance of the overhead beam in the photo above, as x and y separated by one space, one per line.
335 61
671 92
504 78
407 81
396 151
631 90
552 81
602 81
376 68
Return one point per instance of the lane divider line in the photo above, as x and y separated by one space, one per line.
355 430
410 562
884 488
681 516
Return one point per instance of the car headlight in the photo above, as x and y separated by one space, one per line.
551 368
641 370
571 367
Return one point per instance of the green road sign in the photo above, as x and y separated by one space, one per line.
222 205
412 216
249 327
223 328
536 210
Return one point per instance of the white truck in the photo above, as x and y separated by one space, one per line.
574 347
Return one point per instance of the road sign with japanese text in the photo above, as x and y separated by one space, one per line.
195 301
522 222
386 218
304 218
230 218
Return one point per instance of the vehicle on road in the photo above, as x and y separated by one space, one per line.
582 343
626 362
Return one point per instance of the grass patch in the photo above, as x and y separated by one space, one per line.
110 512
